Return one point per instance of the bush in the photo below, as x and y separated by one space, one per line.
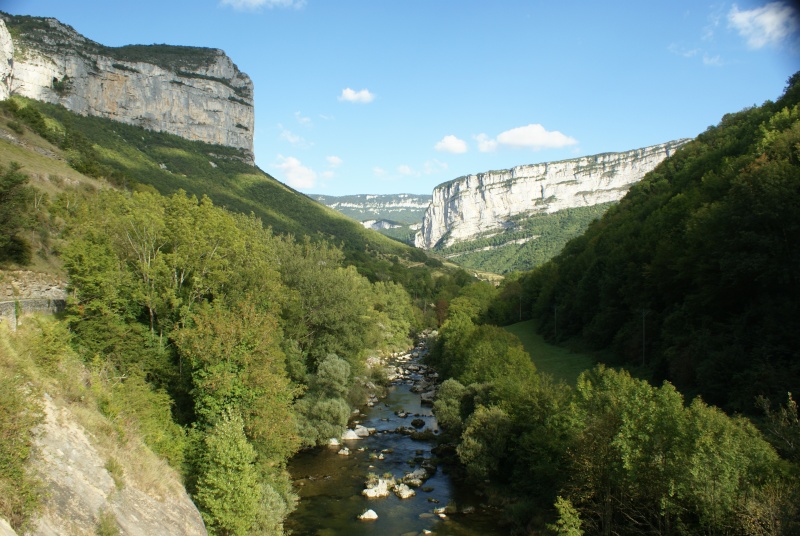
19 413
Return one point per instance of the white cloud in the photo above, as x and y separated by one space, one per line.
680 50
302 119
434 166
766 25
536 137
485 143
451 144
328 174
255 4
407 171
334 161
291 137
350 95
714 61
378 171
297 175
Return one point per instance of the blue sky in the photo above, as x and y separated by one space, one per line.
385 96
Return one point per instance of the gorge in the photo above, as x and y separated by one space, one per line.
474 205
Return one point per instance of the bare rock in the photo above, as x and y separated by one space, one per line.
369 515
80 488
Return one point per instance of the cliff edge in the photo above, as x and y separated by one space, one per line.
468 206
196 93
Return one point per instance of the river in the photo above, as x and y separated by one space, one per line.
330 484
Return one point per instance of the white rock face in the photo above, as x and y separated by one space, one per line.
5 529
6 60
468 206
80 488
212 102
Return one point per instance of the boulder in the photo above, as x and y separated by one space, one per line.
369 515
378 489
403 491
350 434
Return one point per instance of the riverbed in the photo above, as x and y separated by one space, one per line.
330 484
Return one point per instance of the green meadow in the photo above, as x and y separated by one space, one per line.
557 361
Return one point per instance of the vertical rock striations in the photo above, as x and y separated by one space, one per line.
195 93
468 206
6 60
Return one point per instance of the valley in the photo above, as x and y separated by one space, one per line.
228 355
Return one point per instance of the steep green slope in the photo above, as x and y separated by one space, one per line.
134 157
532 241
694 273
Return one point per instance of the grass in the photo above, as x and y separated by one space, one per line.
557 361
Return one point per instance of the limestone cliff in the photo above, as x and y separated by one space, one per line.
468 206
6 60
195 93
84 490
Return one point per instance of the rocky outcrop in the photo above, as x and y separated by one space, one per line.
85 491
468 206
6 61
5 529
195 93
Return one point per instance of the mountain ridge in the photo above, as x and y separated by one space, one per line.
193 92
470 205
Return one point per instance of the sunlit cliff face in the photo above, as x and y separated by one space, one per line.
198 94
468 206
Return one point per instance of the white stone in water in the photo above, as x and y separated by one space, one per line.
350 434
403 491
379 489
369 515
333 442
361 431
344 452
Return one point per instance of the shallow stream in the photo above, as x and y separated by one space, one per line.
330 484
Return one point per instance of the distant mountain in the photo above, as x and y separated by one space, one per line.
396 215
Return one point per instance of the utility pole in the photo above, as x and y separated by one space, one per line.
644 326
555 322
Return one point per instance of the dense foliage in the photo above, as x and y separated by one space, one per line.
614 455
528 242
241 328
698 263
694 273
136 159
14 214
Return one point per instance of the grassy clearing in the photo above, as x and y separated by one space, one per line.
557 361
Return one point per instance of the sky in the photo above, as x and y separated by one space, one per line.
398 96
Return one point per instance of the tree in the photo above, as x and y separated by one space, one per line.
569 520
484 442
228 492
236 363
323 411
14 214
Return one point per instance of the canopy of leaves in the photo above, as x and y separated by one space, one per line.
695 271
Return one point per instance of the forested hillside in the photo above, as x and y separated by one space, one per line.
698 262
694 273
200 330
141 160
